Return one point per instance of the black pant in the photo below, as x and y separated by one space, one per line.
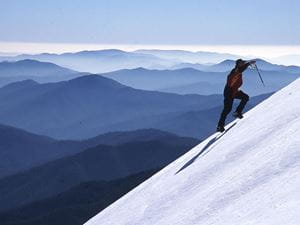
228 101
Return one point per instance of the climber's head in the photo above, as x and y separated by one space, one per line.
239 63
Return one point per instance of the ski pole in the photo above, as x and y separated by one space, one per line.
259 75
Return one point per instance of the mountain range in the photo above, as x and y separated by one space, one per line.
145 79
97 61
228 64
107 60
193 123
21 150
87 106
178 77
135 152
13 71
28 67
193 81
190 79
189 56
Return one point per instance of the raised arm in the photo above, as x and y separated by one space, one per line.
245 66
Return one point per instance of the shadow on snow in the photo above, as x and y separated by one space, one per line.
204 148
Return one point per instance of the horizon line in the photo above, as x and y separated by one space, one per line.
261 51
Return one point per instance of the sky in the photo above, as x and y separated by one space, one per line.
149 23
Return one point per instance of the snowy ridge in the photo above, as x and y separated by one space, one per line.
247 175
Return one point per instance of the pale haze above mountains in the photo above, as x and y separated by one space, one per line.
107 60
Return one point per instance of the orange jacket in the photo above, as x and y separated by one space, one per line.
235 79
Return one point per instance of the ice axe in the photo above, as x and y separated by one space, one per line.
255 67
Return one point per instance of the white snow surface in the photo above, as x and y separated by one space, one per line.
247 175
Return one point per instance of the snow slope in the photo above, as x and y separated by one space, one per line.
247 175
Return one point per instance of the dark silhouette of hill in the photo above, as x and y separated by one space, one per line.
75 205
21 150
101 162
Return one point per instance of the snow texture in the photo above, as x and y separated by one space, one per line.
247 175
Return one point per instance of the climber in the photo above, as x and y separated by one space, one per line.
231 92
